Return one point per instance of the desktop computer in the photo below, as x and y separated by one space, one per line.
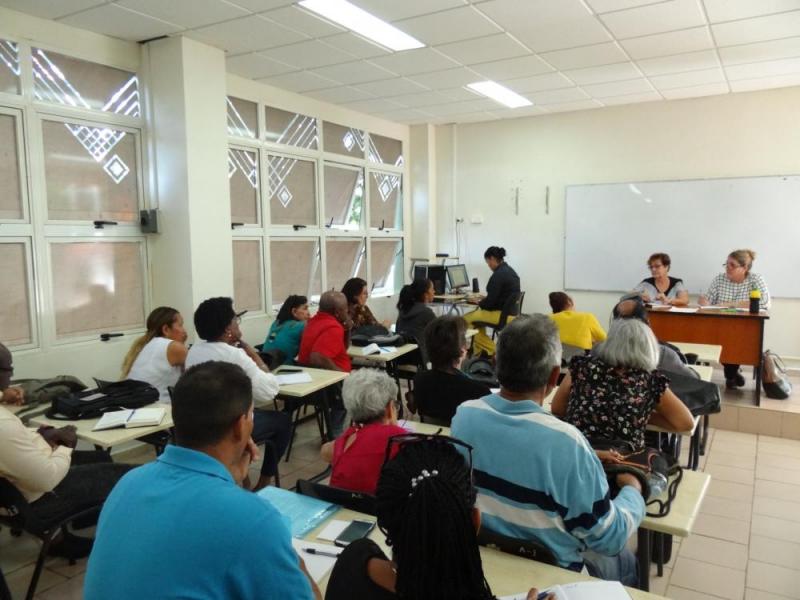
457 277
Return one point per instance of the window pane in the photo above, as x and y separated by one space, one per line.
10 191
83 84
9 67
15 309
345 259
248 275
90 172
291 128
242 117
294 269
343 140
387 265
97 287
385 205
293 191
243 179
385 150
344 197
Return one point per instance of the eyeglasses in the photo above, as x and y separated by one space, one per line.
733 265
412 438
651 267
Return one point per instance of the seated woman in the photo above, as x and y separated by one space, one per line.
426 508
157 357
414 315
357 455
439 391
616 392
356 292
287 328
578 329
661 288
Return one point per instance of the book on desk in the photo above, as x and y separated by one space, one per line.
130 418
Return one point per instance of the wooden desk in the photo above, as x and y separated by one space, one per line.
383 357
740 334
707 353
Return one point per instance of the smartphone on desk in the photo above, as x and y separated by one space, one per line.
355 531
288 370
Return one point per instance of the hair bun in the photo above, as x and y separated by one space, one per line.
502 252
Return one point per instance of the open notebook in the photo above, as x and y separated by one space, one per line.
583 590
140 417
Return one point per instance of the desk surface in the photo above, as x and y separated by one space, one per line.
704 352
358 352
320 379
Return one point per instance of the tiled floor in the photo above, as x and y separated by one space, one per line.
746 544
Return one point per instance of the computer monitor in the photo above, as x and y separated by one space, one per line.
457 276
437 276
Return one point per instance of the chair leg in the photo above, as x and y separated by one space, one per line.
296 419
37 571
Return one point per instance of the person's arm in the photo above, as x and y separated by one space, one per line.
176 354
492 298
561 399
597 331
265 384
641 290
326 452
15 396
670 413
680 299
711 295
320 361
28 459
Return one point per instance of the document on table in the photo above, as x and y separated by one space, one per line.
333 529
141 417
680 309
318 562
582 590
387 349
292 378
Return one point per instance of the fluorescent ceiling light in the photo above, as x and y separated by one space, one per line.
363 23
500 94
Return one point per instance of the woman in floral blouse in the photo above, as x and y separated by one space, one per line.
356 291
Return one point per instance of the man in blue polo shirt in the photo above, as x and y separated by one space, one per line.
182 527
537 477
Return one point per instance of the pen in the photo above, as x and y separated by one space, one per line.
321 552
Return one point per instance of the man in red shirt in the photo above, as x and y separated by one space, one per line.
327 335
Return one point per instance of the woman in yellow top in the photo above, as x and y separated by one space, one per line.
578 329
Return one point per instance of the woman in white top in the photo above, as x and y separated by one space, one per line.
158 356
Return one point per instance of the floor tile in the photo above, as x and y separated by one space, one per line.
732 460
779 449
678 593
777 489
714 551
772 578
738 437
722 528
778 474
755 420
790 426
72 589
779 441
730 490
724 507
708 578
19 580
780 461
16 552
782 509
731 447
658 585
775 552
728 419
770 527
723 473
63 568
750 594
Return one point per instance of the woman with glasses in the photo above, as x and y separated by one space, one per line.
357 294
660 287
426 508
357 455
732 288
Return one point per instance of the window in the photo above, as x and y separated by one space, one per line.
243 180
293 191
387 266
248 275
344 197
385 205
294 269
290 128
9 67
11 205
15 318
343 140
242 117
385 150
346 258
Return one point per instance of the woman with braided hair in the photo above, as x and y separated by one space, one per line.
426 508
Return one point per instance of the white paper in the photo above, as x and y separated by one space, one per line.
333 529
680 309
582 590
409 425
370 349
110 420
291 378
317 565
146 417
494 390
713 307
387 349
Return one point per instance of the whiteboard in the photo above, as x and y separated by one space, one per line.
611 230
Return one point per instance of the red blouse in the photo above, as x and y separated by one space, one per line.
358 467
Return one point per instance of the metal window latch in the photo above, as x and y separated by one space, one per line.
104 337
102 224
298 227
235 225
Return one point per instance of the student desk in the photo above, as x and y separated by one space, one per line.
384 357
740 334
706 353
507 574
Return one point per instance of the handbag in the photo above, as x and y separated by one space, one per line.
90 404
773 377
700 397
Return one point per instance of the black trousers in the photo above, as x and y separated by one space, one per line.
275 427
730 370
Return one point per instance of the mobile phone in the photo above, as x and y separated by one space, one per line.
289 370
355 531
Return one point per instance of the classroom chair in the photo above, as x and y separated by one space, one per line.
512 308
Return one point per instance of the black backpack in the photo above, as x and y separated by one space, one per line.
91 404
481 369
700 397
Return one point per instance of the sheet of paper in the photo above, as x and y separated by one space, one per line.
409 425
110 420
146 417
317 565
387 349
333 529
681 309
291 378
582 590
370 349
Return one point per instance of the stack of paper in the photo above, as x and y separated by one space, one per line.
292 378
583 590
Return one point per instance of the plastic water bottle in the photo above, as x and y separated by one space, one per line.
658 483
755 301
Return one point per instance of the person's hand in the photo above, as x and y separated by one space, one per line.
533 594
662 298
347 324
624 479
387 323
63 436
608 456
14 396
242 466
645 297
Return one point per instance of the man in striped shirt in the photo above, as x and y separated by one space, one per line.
537 477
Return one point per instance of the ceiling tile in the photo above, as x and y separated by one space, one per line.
586 56
632 98
765 83
731 10
769 68
376 105
245 35
256 66
391 87
411 62
538 83
354 72
261 5
758 29
512 68
476 117
493 47
48 9
546 25
308 54
339 95
356 45
448 26
187 13
602 6
692 78
693 61
406 114
461 108
403 9
303 21
696 91
299 81
119 22
786 48
460 93
419 99
558 96
664 44
618 88
655 18
522 111
605 73
449 78
573 106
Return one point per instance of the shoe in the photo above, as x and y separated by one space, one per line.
731 384
739 379
71 547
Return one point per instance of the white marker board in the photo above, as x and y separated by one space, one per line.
611 229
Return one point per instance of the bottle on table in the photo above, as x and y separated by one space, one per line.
755 301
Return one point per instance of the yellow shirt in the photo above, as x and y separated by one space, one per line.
578 328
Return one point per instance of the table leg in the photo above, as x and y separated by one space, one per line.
643 554
704 437
694 450
758 382
658 540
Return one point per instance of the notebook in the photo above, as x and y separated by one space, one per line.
291 378
140 417
582 590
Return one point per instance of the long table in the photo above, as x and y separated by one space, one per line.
740 334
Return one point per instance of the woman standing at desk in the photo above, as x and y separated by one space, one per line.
501 290
661 287
732 288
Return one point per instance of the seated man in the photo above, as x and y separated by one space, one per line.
217 324
182 527
53 478
558 495
326 336
579 329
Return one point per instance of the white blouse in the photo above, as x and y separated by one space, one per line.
153 367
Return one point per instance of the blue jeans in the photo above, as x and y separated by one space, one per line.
623 567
